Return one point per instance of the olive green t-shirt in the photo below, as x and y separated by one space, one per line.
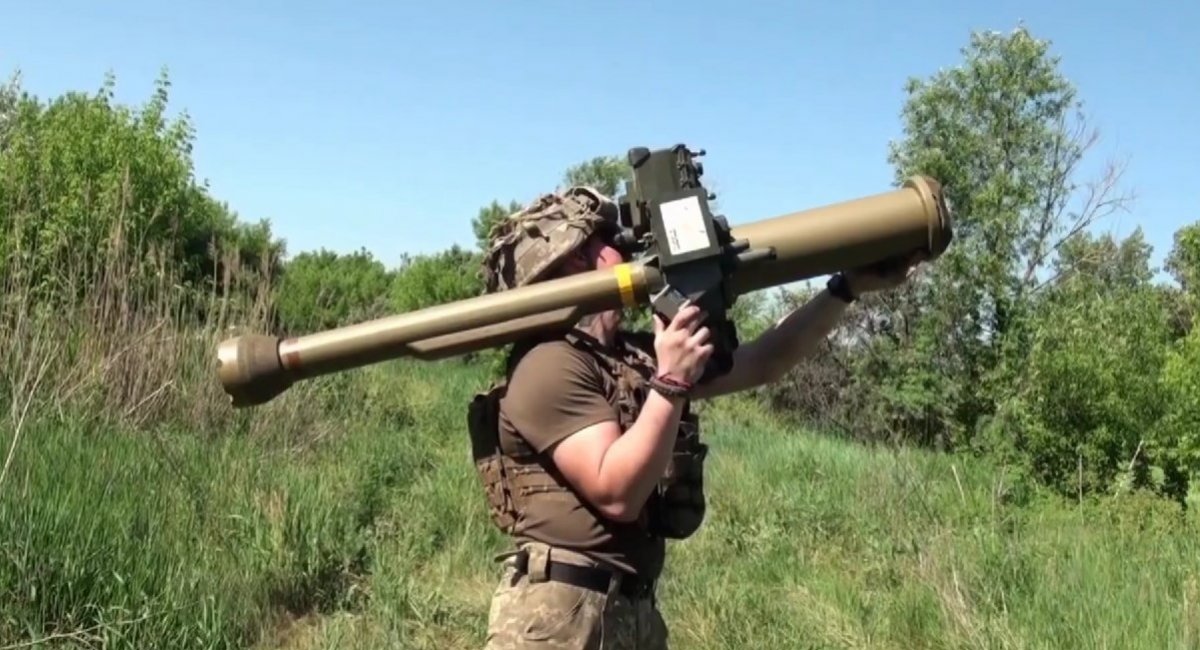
555 390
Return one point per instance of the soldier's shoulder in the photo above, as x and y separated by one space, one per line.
553 355
552 371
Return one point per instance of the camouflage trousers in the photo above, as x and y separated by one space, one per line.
530 611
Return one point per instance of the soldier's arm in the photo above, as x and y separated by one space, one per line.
556 400
780 347
617 472
794 337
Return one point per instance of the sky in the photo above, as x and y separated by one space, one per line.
386 126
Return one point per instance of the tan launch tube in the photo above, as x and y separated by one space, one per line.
253 369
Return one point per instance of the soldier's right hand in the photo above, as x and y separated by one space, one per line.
682 345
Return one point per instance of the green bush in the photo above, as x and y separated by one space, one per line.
426 280
83 179
322 289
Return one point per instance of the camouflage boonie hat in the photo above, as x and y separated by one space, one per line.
527 244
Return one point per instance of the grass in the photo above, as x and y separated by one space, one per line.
377 538
137 511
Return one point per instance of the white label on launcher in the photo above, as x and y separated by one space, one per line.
684 225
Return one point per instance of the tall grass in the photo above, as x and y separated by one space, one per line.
813 542
138 511
136 508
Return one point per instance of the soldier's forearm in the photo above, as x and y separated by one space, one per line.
778 349
792 338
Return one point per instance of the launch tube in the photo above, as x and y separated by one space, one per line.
253 369
845 235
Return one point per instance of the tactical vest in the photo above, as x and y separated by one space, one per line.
513 476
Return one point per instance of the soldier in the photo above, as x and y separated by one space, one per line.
588 451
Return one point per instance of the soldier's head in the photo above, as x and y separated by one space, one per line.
596 252
556 235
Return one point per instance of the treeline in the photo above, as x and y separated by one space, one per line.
1058 351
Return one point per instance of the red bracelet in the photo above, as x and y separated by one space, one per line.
668 379
670 386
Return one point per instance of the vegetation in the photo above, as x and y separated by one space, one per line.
1003 454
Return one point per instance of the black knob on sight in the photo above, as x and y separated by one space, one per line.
637 156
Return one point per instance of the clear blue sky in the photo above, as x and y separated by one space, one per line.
387 126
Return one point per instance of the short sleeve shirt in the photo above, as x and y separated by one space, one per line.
555 390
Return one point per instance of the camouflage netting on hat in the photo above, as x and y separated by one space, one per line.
528 244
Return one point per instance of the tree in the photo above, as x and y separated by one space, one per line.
426 280
322 290
84 181
1004 132
1183 263
606 173
10 97
488 216
1084 412
1184 259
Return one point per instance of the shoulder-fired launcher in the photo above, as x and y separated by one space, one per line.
677 250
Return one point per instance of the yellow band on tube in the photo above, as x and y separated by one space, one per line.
625 284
